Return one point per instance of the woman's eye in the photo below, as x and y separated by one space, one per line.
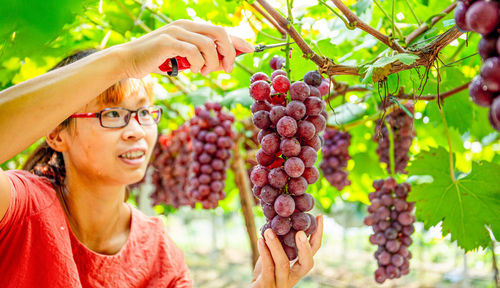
112 114
144 113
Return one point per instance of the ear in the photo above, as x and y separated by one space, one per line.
56 139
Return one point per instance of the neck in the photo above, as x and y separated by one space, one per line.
97 214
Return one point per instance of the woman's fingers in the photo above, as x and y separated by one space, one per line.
316 237
305 252
281 262
268 269
204 44
258 267
191 53
220 38
242 45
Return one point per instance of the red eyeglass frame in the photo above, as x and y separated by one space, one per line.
135 112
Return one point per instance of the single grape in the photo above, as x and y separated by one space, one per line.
314 106
297 186
318 121
311 174
290 147
296 109
268 194
308 155
281 84
300 221
460 12
276 63
294 167
269 211
494 114
263 158
261 119
313 226
313 78
482 17
324 87
304 202
271 143
260 105
306 130
299 91
290 252
277 73
487 47
286 127
258 176
284 205
259 76
281 225
289 238
277 178
260 90
276 113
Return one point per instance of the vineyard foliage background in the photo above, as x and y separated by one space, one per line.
37 34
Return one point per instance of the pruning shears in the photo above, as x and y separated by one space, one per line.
173 65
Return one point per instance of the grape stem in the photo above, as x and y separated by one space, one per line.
391 148
452 169
424 26
269 18
358 23
347 24
289 4
413 12
444 95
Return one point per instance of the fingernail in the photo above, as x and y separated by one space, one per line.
269 234
302 236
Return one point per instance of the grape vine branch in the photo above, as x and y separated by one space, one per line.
427 54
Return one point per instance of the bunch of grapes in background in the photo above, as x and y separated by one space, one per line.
335 155
390 216
212 140
402 132
170 166
289 142
483 17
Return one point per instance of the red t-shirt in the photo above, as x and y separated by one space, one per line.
38 249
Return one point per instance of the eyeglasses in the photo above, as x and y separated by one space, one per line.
117 117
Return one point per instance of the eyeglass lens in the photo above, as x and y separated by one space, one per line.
119 117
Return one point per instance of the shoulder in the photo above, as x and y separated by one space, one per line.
29 195
26 185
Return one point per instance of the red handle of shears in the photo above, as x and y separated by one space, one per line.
183 63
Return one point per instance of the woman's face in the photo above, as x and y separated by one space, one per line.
97 153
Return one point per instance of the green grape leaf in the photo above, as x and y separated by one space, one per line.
465 207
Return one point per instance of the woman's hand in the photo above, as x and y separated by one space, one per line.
273 267
198 42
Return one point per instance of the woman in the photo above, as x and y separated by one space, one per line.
72 228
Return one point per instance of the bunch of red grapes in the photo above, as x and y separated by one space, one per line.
483 17
392 221
335 155
289 142
402 132
170 168
212 140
